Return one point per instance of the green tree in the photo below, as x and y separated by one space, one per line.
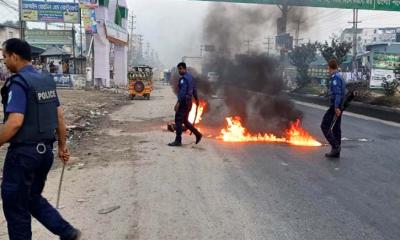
335 50
301 57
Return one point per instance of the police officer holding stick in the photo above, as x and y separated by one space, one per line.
32 115
331 123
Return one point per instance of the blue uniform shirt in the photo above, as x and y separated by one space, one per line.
187 88
337 90
17 98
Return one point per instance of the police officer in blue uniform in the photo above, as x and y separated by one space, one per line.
32 115
187 91
331 123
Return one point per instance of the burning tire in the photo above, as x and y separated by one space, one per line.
139 86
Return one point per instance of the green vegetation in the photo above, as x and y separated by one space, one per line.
301 57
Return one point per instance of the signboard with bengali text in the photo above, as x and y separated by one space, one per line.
378 76
389 61
42 38
50 12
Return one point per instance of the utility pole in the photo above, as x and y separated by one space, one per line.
131 34
73 47
74 44
355 23
297 35
201 50
282 24
282 21
268 44
140 50
46 24
248 43
148 50
21 23
81 41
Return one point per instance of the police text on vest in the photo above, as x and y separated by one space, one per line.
47 95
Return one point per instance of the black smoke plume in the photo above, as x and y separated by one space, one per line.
250 82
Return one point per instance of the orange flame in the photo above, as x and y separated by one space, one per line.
200 111
295 135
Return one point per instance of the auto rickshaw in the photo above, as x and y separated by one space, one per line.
140 82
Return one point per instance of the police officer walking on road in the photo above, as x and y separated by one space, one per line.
333 117
187 91
32 115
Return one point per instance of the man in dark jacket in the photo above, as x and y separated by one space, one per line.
331 123
187 91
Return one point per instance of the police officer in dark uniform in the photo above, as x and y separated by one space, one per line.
32 115
187 91
331 122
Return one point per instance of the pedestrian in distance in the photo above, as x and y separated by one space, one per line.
187 91
32 116
331 122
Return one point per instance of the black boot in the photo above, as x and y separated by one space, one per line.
175 144
78 235
74 235
335 153
198 138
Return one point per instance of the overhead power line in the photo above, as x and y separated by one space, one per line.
9 5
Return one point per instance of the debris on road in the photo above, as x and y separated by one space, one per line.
81 165
109 210
356 139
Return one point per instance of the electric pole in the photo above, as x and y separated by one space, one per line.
268 44
355 23
248 43
201 50
282 26
297 35
131 36
140 50
21 22
147 49
282 21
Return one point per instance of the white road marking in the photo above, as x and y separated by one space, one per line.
393 124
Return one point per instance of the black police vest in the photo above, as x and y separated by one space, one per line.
40 119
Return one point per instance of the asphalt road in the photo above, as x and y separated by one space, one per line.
295 193
224 191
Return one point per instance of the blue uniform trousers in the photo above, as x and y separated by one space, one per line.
334 137
182 117
24 175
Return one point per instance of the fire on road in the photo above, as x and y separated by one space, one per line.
234 131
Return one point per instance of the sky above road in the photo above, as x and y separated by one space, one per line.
174 27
